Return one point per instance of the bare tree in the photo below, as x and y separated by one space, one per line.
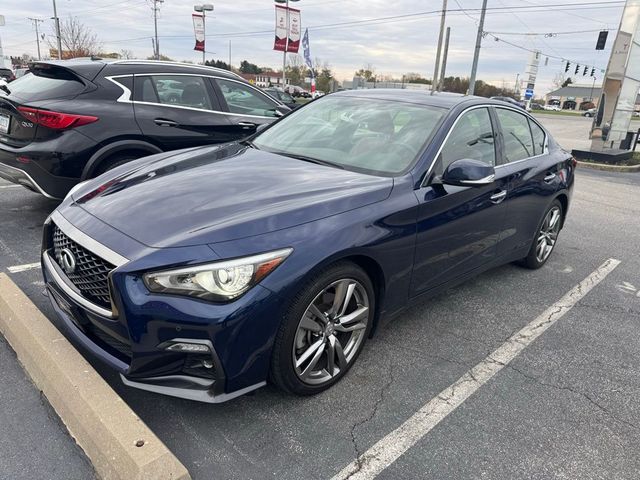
77 39
126 54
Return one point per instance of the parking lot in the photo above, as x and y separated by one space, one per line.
565 407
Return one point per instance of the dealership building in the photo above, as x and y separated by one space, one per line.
577 97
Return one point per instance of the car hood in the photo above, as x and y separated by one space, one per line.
216 194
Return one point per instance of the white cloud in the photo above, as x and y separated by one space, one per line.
393 48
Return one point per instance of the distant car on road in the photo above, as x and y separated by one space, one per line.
590 113
553 108
72 120
510 101
206 273
536 106
284 97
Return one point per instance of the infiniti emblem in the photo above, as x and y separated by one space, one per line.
67 260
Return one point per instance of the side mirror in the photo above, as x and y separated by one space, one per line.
282 110
468 172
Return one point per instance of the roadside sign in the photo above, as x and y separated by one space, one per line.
528 94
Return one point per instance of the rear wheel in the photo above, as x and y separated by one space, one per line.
117 160
324 330
545 238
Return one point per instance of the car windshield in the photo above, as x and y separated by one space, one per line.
357 133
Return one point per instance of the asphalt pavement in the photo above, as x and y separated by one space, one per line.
566 407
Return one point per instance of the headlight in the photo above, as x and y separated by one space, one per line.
219 281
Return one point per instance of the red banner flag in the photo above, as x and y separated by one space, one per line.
198 29
281 29
294 31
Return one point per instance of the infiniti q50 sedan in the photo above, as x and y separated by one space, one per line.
206 273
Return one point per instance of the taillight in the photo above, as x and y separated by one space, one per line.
55 120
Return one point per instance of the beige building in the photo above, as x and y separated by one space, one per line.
577 97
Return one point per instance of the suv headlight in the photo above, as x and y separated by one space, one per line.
218 281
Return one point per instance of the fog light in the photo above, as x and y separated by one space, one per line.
188 347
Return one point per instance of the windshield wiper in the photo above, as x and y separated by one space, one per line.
249 143
309 159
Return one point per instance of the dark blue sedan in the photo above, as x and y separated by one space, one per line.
207 272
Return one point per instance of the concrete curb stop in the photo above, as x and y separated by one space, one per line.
609 168
118 443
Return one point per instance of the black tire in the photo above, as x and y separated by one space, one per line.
532 260
283 372
117 160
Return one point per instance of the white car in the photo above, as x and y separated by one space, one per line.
554 108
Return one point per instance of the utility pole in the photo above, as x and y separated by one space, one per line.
57 22
444 59
434 82
35 24
230 69
156 45
516 90
476 53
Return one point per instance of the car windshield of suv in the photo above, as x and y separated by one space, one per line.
363 134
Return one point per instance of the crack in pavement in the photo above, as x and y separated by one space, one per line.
575 392
360 460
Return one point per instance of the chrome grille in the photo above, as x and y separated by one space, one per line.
91 272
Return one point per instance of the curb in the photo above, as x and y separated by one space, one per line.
96 417
609 168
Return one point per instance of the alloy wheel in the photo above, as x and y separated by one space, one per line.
548 234
331 331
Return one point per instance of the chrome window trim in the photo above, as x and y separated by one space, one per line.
64 286
126 93
30 178
178 64
485 105
86 241
126 96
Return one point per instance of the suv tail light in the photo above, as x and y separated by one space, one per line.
55 120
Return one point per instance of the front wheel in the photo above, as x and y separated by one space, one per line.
324 330
545 237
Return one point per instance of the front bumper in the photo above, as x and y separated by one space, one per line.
132 336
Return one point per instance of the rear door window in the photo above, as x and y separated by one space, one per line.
516 135
177 90
538 138
245 100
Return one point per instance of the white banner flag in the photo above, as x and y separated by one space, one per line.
198 29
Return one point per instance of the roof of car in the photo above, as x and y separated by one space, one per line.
422 97
94 64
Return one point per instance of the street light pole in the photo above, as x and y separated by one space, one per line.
476 53
35 23
286 45
445 54
207 7
434 82
57 22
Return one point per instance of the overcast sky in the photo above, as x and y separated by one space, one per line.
393 46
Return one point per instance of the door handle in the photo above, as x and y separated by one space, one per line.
247 125
549 177
163 122
498 197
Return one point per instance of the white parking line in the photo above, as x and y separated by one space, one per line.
9 186
23 268
390 448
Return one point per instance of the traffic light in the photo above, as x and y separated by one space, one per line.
577 69
586 69
602 40
593 72
566 69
